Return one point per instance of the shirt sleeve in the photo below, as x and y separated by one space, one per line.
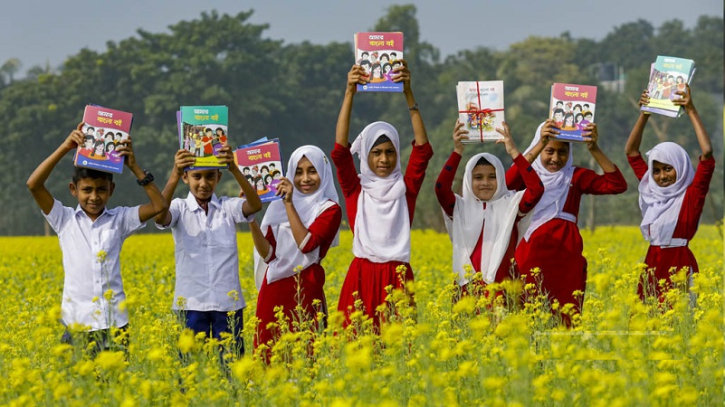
418 163
58 216
534 186
609 183
638 164
346 172
444 184
175 212
514 181
701 183
323 230
130 220
234 207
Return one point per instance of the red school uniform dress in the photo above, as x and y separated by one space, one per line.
552 242
510 214
382 240
282 286
671 229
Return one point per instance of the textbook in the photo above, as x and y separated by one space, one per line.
104 130
378 53
203 131
261 163
572 108
667 76
480 107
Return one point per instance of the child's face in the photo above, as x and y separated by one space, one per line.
558 116
117 137
382 159
663 174
202 183
277 175
555 155
569 120
483 182
89 143
99 133
99 148
588 117
307 179
92 194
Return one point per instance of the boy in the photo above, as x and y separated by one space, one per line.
90 238
207 264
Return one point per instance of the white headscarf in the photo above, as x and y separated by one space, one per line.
661 206
308 207
382 222
496 220
556 188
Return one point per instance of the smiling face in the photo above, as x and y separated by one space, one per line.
202 183
382 159
307 179
92 194
555 155
483 182
663 174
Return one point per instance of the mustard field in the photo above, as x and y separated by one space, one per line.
478 351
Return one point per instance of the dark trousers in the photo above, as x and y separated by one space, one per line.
213 323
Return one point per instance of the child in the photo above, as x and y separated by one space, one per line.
552 242
380 201
91 237
294 237
671 197
481 223
205 235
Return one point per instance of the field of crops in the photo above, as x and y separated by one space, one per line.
621 353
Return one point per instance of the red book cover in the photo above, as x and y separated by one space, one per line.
378 53
572 108
104 130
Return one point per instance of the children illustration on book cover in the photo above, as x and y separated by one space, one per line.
104 130
572 108
668 76
203 131
378 53
261 164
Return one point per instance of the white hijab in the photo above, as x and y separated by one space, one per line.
308 206
469 217
661 206
556 188
382 222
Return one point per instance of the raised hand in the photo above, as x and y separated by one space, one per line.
459 134
508 141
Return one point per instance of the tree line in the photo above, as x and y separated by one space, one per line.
293 91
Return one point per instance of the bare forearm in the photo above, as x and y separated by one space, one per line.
40 175
421 136
299 231
342 130
260 243
700 132
164 218
635 136
534 152
254 202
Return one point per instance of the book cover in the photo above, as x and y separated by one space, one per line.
203 131
261 163
104 130
480 107
572 108
667 76
378 53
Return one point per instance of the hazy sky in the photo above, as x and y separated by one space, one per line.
37 31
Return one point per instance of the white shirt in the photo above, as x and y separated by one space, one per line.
87 275
207 262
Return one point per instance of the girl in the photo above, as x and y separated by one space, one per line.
112 154
569 122
296 232
552 242
380 200
377 74
481 223
99 151
671 197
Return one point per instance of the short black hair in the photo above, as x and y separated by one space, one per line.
80 173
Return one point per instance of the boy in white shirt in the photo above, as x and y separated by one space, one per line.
204 228
90 238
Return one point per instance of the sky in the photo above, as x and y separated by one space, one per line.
43 31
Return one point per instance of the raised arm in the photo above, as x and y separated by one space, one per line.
548 130
444 183
182 159
354 77
253 203
36 181
403 75
685 100
285 189
635 136
157 204
591 132
260 242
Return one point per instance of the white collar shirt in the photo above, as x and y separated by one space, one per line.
207 259
93 289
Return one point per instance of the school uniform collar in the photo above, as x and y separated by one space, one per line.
79 211
193 205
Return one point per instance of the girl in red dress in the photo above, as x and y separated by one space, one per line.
294 237
671 197
380 200
483 223
552 244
